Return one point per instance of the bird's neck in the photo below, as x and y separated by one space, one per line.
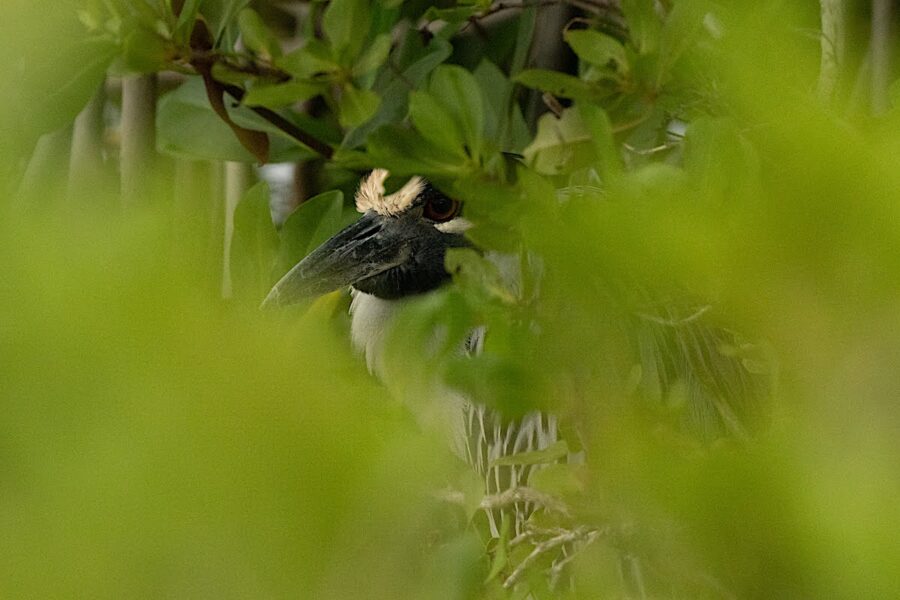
370 318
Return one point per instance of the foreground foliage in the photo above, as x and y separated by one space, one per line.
161 441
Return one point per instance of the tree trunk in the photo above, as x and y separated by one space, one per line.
237 181
138 139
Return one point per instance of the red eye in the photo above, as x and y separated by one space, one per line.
441 209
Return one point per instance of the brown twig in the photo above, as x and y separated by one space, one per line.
202 59
283 124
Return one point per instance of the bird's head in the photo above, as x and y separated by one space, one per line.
395 249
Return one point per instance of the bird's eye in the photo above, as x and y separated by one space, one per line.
441 209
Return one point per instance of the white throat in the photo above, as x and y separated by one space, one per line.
370 318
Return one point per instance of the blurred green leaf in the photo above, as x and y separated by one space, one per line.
357 106
282 94
373 56
256 36
682 27
556 83
496 91
602 138
346 24
722 163
220 14
643 24
456 89
561 145
559 479
598 48
310 59
501 558
185 23
395 91
143 50
69 80
405 152
254 245
477 275
313 222
436 123
454 15
223 73
186 126
550 454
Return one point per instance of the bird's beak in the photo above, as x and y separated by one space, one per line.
368 247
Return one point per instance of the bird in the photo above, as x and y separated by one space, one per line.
395 252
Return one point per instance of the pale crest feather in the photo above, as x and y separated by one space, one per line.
370 195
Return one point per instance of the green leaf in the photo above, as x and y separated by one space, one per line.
307 227
549 454
185 23
557 480
186 126
556 83
221 13
453 15
721 163
395 91
310 60
473 272
254 245
598 49
373 56
144 51
458 91
346 24
357 105
601 133
67 83
561 145
405 152
643 24
501 555
282 94
495 89
226 74
435 123
682 28
256 36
